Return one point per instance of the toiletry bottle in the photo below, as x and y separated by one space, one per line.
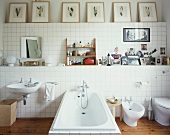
108 60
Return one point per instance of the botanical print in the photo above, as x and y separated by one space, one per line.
95 11
147 11
18 12
122 11
40 11
71 11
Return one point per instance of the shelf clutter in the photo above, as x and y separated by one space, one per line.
81 54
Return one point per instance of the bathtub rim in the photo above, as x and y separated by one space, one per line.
116 130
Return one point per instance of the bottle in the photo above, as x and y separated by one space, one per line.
108 60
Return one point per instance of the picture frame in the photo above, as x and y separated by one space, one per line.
71 12
144 47
164 60
136 34
147 12
95 12
163 51
143 61
122 12
41 12
18 12
158 61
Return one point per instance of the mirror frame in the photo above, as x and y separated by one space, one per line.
23 46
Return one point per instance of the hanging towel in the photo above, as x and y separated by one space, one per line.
49 91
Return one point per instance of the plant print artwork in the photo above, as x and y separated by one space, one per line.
147 11
95 11
18 12
122 11
40 11
71 12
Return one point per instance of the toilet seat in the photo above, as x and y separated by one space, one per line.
163 102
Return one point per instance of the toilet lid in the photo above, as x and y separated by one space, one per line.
164 102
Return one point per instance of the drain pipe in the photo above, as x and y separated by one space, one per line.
24 98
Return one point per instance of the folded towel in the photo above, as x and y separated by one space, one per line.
49 91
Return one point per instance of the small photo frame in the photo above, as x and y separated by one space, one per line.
147 12
18 12
41 11
136 34
71 12
164 60
95 12
142 61
122 12
144 47
158 61
163 51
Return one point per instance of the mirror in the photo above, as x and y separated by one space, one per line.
30 47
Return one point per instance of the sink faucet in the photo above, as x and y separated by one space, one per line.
128 100
21 81
30 81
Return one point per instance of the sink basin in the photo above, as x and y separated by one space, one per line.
23 88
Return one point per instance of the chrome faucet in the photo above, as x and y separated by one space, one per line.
128 100
84 86
30 80
21 81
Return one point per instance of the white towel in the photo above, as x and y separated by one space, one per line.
49 91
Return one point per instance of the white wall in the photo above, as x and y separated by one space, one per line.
56 8
2 20
166 17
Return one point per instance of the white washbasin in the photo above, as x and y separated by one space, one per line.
23 88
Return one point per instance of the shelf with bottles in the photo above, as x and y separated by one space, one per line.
79 54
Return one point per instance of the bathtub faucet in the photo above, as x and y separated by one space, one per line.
128 100
84 86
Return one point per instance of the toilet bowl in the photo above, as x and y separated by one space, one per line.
132 112
161 108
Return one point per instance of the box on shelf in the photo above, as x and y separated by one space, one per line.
8 109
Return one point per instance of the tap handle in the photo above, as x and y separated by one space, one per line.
30 80
21 80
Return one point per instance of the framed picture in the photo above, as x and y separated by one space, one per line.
144 47
122 12
164 60
71 12
41 11
163 51
95 12
158 61
142 61
18 12
136 34
147 12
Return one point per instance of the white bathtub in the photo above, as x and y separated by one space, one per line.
70 117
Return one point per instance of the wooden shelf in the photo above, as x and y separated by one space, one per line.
69 59
81 47
89 56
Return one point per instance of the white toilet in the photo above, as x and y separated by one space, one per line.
132 113
161 108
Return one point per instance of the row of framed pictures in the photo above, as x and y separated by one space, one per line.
71 12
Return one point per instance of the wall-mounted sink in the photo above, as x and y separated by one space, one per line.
23 88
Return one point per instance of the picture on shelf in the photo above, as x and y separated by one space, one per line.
18 12
95 12
116 56
122 12
163 51
41 11
71 12
158 61
136 34
144 47
147 12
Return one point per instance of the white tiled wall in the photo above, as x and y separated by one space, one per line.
117 81
108 35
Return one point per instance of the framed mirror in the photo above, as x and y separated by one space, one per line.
31 47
